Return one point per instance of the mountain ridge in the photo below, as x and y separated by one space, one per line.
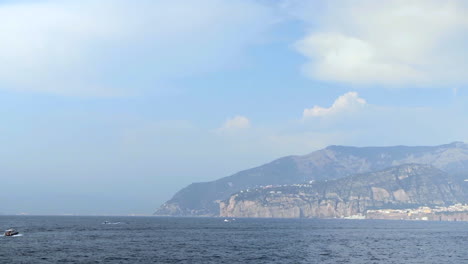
332 162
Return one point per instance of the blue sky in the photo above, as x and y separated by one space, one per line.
110 107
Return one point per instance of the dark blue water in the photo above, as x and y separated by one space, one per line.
49 239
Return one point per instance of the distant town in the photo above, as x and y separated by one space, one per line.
457 212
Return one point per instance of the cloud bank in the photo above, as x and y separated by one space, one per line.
107 48
119 47
392 43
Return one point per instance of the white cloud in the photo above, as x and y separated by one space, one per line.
349 102
116 47
235 123
397 42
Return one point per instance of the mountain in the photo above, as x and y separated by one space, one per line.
403 186
333 162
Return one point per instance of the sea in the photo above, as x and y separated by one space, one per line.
91 239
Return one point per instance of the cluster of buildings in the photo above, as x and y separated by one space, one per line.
457 212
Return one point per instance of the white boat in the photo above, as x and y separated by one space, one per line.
11 232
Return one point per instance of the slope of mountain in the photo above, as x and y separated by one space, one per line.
406 185
333 162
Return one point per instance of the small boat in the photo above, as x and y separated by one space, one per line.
111 223
226 220
11 232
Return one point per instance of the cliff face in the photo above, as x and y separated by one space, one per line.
333 162
400 186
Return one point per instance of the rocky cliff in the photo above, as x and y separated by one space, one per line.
333 162
401 186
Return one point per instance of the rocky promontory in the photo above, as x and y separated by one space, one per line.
409 185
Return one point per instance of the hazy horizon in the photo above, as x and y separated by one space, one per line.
110 107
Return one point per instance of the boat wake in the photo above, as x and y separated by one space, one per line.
18 235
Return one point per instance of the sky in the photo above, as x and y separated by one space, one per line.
111 106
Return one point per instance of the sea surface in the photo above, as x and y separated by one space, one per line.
72 239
